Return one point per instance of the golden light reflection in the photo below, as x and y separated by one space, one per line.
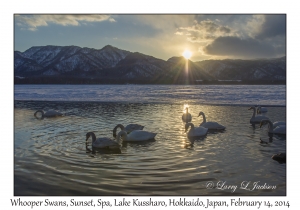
184 108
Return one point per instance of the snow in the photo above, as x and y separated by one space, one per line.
265 95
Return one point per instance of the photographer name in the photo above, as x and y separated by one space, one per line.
245 185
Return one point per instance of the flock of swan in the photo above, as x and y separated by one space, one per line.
135 132
278 127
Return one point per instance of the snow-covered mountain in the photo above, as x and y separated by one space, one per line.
113 64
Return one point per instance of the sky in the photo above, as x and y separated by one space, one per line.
205 36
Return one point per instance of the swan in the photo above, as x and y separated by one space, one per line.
210 125
277 123
102 143
258 118
50 113
280 129
187 117
129 128
261 110
281 157
195 131
136 135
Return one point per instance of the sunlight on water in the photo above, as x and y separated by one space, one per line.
184 108
51 157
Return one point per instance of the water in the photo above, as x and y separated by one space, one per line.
51 158
172 94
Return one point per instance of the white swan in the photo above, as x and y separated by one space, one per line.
195 131
129 128
280 129
102 143
210 125
187 117
136 135
277 123
50 113
258 118
261 110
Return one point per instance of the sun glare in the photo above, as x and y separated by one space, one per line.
184 107
187 54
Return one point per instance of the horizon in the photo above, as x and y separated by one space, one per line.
196 37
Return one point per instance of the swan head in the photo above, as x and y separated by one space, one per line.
90 134
201 113
87 136
252 107
187 125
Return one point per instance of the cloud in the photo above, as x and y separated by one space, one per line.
274 25
34 21
242 48
204 30
243 36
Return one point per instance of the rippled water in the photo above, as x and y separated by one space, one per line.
51 158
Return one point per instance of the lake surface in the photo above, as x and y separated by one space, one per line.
172 94
51 157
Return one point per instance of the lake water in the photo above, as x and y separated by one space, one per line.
51 158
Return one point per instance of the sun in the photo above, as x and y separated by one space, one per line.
187 54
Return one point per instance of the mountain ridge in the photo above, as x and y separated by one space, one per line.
111 64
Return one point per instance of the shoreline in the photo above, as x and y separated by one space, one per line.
145 103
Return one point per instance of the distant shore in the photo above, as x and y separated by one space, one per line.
98 81
126 102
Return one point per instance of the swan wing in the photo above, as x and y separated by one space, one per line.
139 135
281 129
52 113
198 131
258 119
213 125
277 123
131 127
105 143
262 110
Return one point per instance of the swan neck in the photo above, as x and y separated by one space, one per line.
93 137
115 129
270 125
190 124
204 118
254 111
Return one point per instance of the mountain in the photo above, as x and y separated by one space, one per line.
73 64
260 69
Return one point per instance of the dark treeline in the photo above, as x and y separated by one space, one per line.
80 80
